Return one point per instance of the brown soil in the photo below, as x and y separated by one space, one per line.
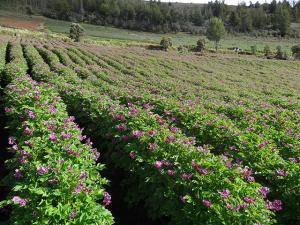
21 23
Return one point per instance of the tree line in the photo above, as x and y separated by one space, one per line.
275 18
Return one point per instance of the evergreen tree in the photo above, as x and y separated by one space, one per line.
283 20
215 31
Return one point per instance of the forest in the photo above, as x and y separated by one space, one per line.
272 19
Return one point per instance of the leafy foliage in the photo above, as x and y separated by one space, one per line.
215 31
166 43
76 32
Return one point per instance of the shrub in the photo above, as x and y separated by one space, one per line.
296 51
76 32
182 49
201 45
165 43
280 54
267 51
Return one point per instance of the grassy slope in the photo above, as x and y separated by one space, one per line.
122 35
102 32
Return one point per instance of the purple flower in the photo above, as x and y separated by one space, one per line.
42 170
133 111
11 140
158 164
166 163
207 203
250 129
18 174
275 206
174 130
152 146
121 127
137 133
107 199
241 206
7 110
73 153
249 200
228 206
247 174
27 131
187 176
19 201
132 155
225 194
197 167
73 215
120 117
52 110
233 148
52 137
264 191
170 139
281 173
152 132
83 175
31 114
297 135
263 144
171 172
66 135
78 189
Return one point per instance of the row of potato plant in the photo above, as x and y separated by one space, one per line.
54 176
16 65
2 55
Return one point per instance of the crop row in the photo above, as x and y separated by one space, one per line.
196 186
17 65
2 55
54 176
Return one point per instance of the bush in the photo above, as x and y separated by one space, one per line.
296 51
182 49
280 54
165 43
200 45
76 32
267 51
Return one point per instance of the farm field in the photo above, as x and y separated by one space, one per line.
188 139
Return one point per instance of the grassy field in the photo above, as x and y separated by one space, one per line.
122 36
244 42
